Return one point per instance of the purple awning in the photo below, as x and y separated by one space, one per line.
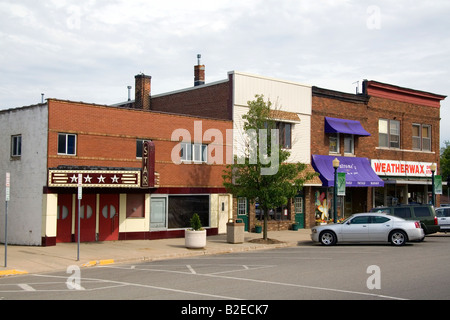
334 125
359 171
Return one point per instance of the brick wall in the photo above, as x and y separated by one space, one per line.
368 113
211 101
106 136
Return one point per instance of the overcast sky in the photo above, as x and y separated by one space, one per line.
91 50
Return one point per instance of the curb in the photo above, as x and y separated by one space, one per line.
13 272
98 263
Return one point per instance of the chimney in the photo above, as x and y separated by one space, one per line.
199 73
142 92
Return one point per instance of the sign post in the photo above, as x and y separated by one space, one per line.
80 196
8 185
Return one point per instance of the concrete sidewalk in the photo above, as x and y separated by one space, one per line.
29 259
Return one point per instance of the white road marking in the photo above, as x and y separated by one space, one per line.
26 287
191 269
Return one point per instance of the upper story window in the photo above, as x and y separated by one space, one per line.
349 145
196 152
139 147
16 146
334 142
285 132
389 133
421 137
67 144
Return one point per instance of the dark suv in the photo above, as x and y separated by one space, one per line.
423 213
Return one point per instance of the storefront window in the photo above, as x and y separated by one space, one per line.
277 214
322 204
181 209
379 197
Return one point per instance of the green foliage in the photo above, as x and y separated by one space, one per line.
243 178
196 224
444 169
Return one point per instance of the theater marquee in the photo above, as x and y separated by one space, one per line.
95 178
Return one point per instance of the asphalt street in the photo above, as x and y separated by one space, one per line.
306 271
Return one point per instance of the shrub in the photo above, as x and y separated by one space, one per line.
196 224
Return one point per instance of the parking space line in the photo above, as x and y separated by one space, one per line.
121 283
191 269
26 287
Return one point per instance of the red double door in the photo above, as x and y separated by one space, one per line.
108 218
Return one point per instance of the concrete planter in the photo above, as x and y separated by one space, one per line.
195 239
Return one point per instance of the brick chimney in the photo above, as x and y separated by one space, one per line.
142 91
199 73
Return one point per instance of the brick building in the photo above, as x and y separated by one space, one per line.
376 135
148 163
144 173
227 99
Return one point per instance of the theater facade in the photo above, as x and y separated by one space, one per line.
142 173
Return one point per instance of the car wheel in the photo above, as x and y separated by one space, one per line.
327 238
397 238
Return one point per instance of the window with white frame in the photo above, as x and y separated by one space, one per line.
421 137
242 206
195 152
334 142
67 144
139 147
389 133
16 146
416 140
426 138
349 144
298 204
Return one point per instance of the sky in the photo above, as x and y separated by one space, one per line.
90 50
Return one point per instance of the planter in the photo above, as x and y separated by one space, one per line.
295 226
258 229
195 239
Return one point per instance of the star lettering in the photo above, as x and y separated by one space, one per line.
101 179
115 179
74 178
87 179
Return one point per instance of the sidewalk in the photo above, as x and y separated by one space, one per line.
30 259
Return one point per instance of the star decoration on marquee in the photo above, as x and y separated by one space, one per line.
95 178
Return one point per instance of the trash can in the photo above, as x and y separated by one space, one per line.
235 231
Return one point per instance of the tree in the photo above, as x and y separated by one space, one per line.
262 173
445 161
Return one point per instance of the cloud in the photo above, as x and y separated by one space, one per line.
90 50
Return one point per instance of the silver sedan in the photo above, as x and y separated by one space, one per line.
369 227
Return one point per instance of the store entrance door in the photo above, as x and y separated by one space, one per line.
109 217
64 218
87 218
